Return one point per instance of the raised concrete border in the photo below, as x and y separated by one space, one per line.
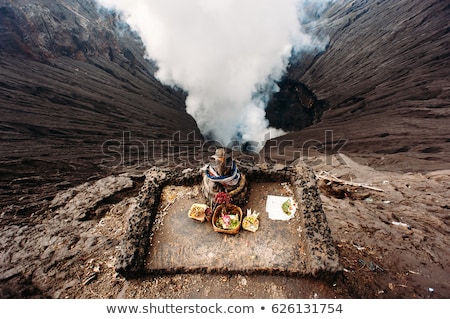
321 254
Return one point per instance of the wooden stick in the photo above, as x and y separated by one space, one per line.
328 177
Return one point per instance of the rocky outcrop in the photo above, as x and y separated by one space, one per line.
57 242
294 106
76 29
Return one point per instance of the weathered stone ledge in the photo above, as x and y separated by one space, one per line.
321 255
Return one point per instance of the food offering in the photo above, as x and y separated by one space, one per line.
289 207
224 216
197 212
227 219
251 221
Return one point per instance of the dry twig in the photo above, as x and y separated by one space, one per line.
327 176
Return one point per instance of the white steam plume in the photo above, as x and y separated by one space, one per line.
227 54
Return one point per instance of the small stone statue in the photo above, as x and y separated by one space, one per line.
223 175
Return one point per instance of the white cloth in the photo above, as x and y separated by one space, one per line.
231 180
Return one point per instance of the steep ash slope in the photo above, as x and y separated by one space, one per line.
78 96
385 75
77 99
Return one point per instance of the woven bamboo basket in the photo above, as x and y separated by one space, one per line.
230 209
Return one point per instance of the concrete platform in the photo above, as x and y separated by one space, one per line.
181 244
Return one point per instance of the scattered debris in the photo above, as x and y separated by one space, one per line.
90 279
371 265
327 176
402 225
359 247
392 285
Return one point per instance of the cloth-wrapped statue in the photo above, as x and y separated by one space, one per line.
223 175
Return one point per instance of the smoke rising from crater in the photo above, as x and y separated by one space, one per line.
227 54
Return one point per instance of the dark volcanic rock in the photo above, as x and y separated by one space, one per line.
78 100
47 29
294 107
385 75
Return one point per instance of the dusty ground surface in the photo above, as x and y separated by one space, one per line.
56 255
385 75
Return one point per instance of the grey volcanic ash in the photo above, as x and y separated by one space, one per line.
84 114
